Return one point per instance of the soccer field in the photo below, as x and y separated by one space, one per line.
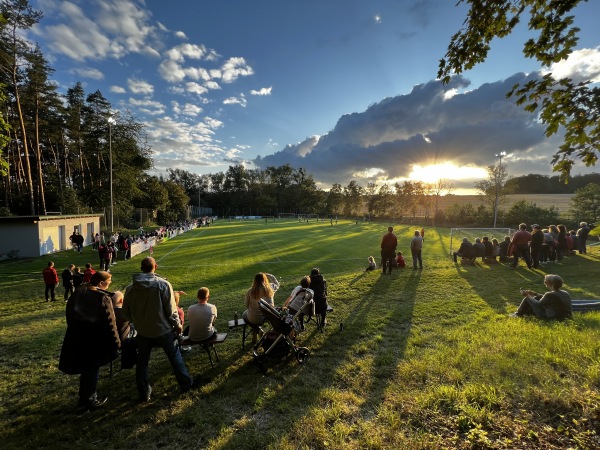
425 359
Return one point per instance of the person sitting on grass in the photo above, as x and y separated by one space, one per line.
554 304
400 262
372 264
201 318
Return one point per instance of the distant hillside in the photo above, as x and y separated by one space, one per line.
562 202
544 184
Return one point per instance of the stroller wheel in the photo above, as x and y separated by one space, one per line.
302 355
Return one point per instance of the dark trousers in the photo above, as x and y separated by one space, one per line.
68 291
387 260
530 308
171 349
536 254
88 381
416 256
521 251
50 292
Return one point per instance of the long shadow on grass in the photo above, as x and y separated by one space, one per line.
242 408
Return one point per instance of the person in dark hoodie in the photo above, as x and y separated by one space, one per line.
318 285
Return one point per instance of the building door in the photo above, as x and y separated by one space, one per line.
90 233
62 238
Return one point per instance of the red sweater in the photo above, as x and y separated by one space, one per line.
50 275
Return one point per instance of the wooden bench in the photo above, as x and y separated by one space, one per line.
246 329
208 345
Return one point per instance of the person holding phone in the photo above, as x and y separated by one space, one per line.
554 304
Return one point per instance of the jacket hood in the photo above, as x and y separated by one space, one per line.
144 279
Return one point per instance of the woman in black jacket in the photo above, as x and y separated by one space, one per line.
92 338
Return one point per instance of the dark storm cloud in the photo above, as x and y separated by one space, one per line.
432 123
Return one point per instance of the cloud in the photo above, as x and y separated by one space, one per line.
117 27
117 89
262 91
181 35
140 86
581 65
149 107
241 100
89 72
234 68
425 126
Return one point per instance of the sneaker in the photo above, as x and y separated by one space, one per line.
186 348
91 405
146 396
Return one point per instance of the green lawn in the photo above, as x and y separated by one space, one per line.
426 359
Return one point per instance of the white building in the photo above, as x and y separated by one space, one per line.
30 236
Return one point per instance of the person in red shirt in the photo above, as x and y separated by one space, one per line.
520 245
388 250
87 275
50 280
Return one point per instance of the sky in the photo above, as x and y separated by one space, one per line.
346 89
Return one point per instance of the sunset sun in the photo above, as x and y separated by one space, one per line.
434 172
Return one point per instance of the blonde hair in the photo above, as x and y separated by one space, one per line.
260 287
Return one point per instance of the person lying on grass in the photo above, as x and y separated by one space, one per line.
555 304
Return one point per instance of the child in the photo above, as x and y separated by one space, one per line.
372 265
400 260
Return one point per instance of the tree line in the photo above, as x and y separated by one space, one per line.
60 151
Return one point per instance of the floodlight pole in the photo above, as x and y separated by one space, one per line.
499 155
111 121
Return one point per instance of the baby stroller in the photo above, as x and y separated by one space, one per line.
278 341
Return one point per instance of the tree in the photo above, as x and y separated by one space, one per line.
560 103
530 212
18 17
493 189
586 203
438 188
4 139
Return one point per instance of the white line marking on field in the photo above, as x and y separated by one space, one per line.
176 248
269 248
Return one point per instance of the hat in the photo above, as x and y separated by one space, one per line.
535 225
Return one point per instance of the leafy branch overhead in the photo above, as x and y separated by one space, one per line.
562 104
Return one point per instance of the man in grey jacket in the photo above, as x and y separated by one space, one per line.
149 303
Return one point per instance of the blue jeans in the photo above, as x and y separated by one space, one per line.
171 349
416 256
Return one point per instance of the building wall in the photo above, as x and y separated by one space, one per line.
37 236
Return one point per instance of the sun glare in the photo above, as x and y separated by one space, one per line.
448 171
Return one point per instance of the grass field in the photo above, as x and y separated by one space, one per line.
426 359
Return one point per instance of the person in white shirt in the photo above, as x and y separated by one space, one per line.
201 317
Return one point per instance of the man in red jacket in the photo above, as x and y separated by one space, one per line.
50 280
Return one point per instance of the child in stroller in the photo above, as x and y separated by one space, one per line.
300 300
281 338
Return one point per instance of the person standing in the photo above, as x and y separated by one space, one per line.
537 242
416 246
150 304
389 242
582 235
520 246
92 338
68 277
51 281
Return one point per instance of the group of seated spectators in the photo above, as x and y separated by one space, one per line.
538 247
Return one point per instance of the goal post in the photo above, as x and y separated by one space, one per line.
458 234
